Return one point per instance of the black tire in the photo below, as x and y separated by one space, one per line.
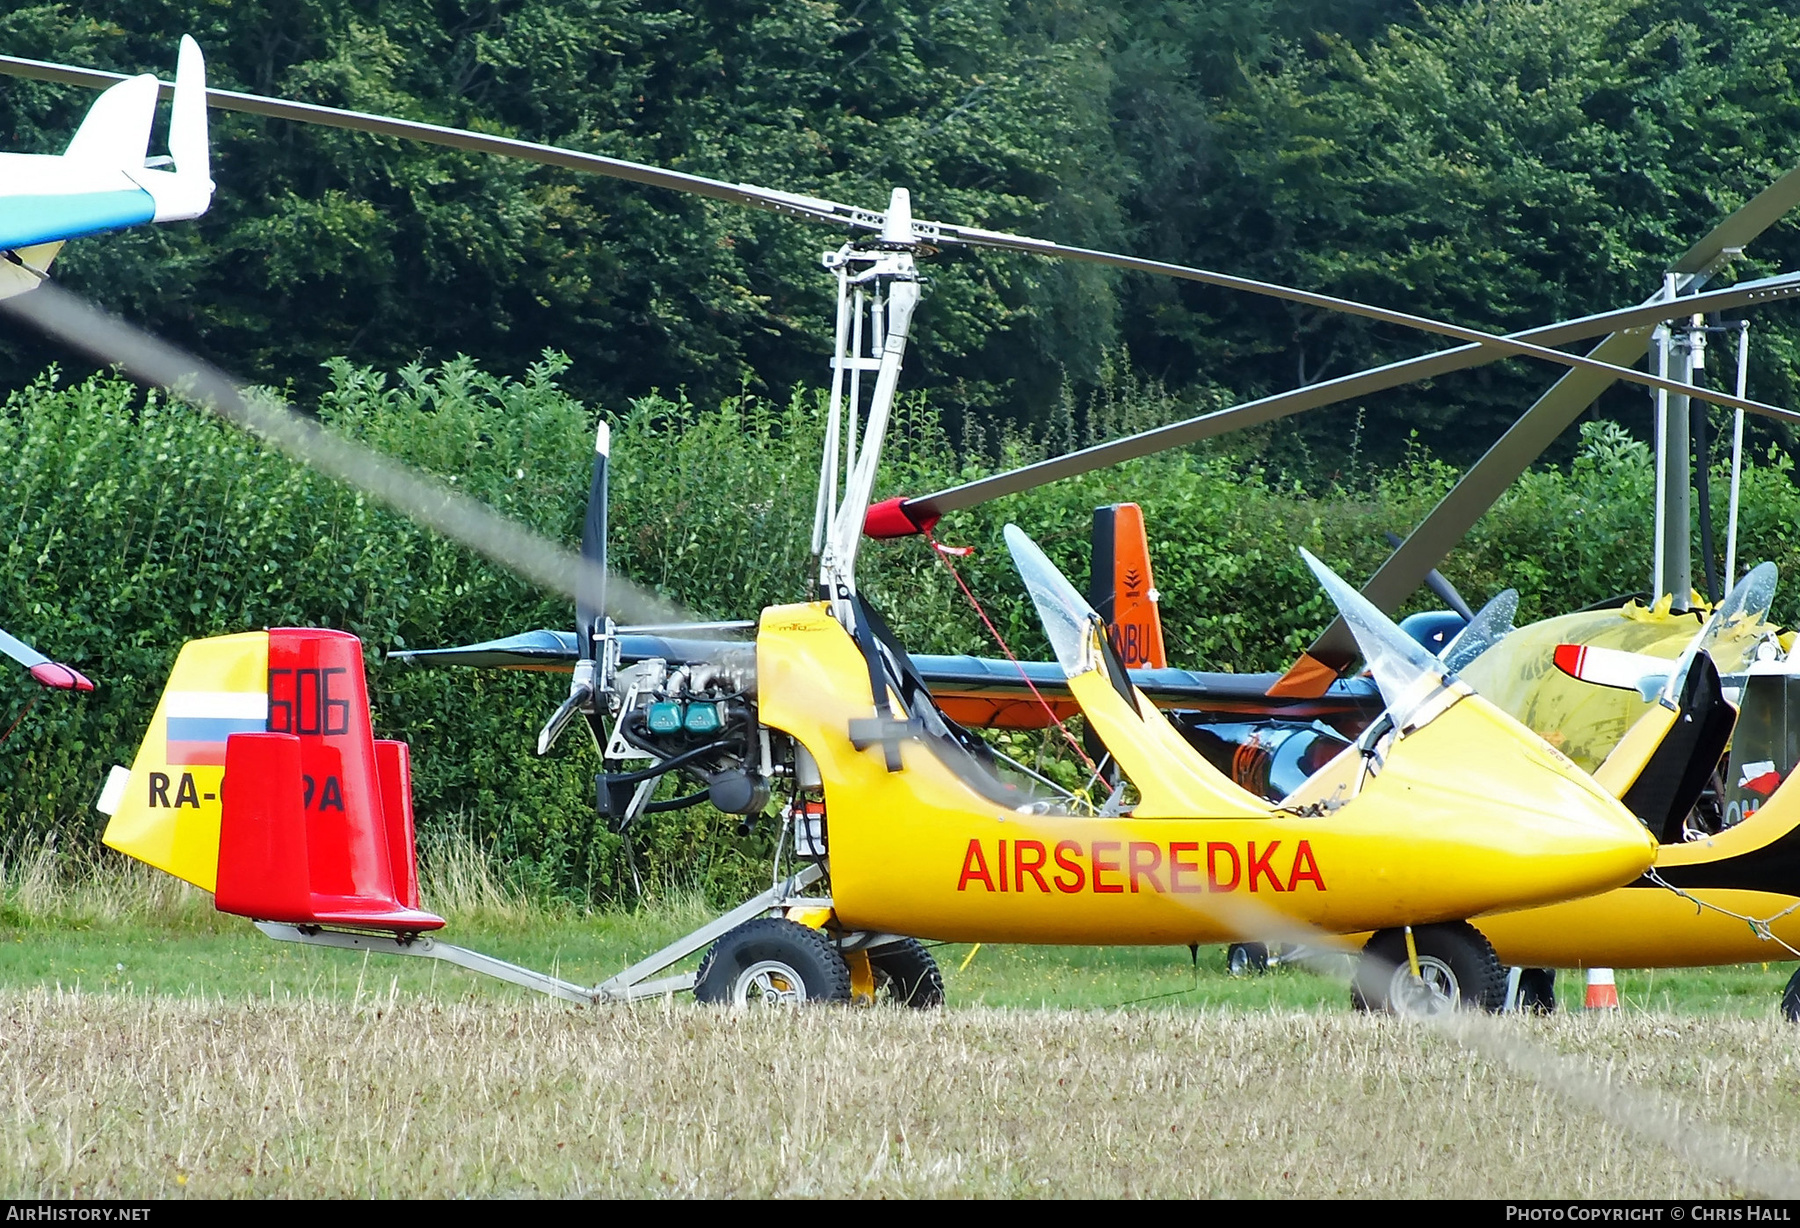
1459 966
908 973
773 961
1790 999
1537 991
1246 957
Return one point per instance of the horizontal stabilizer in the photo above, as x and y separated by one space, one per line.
1614 667
278 845
306 835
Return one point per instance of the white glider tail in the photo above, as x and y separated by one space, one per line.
104 180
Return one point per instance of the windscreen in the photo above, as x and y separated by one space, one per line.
1068 619
1490 625
1405 671
1731 635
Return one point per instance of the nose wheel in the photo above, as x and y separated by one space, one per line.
1457 970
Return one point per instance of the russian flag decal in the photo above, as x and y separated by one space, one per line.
200 721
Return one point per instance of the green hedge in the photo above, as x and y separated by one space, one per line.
135 523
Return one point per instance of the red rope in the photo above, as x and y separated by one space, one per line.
32 703
944 552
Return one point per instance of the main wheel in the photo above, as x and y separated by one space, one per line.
1790 999
1243 957
909 974
1457 969
772 961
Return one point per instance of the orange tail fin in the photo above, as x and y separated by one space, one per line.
1123 588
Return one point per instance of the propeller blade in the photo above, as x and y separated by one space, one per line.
590 592
818 209
1328 392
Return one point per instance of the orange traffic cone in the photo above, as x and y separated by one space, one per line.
1602 993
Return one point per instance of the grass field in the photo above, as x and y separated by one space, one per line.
149 1047
222 957
403 1095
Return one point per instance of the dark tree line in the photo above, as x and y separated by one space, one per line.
1496 162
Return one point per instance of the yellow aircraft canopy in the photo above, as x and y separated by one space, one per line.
1585 721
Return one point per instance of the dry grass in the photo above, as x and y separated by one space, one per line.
154 1097
459 878
42 884
45 885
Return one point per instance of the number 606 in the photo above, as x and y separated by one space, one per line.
300 702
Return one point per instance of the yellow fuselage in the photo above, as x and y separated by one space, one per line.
1469 814
1753 869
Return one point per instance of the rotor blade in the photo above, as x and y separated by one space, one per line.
52 674
1742 228
1468 501
78 324
791 203
1442 588
1514 344
1527 438
818 209
21 652
1331 392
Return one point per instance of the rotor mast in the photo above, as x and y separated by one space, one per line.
1678 353
878 285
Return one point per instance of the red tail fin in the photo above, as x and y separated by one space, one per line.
1123 589
316 817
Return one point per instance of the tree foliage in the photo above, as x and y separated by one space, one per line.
136 523
1496 162
325 243
1501 163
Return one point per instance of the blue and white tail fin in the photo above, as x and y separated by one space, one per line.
115 135
103 180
